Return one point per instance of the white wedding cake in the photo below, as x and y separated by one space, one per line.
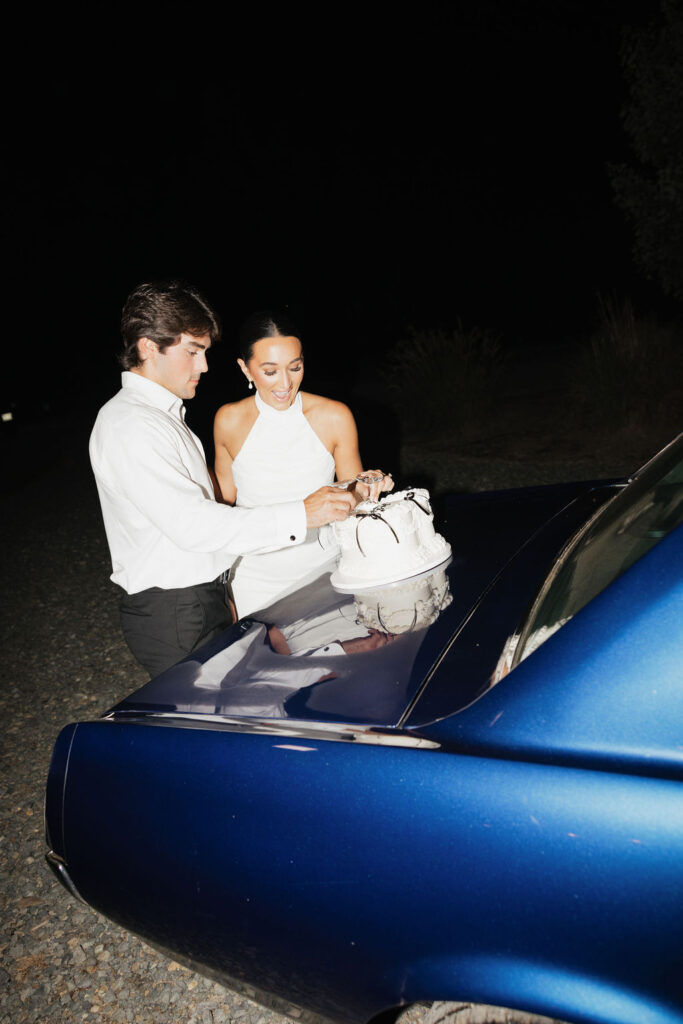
388 540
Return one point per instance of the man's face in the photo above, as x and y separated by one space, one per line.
178 367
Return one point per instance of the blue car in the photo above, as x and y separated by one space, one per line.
461 790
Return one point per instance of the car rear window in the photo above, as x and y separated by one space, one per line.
619 534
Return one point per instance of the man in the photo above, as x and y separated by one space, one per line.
170 541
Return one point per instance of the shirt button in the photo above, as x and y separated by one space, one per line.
292 537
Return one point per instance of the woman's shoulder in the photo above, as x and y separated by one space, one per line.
331 420
233 414
329 408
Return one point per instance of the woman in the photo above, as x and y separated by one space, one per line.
280 444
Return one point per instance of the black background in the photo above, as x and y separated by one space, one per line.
365 167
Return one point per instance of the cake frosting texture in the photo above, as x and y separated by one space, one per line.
389 540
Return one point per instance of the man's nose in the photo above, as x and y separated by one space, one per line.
203 365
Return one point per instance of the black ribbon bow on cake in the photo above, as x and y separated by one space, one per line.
376 514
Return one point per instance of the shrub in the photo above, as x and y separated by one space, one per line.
443 381
630 375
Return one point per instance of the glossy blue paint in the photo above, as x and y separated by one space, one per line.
401 830
341 875
606 689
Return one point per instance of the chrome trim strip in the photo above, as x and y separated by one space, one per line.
58 865
333 731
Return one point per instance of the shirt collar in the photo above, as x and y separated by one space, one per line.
153 393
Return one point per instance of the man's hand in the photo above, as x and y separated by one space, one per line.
328 505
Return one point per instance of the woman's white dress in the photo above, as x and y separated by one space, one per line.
282 459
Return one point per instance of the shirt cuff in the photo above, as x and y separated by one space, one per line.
290 523
334 648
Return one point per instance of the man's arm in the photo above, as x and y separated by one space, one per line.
159 478
143 467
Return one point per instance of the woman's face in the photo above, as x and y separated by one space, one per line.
277 369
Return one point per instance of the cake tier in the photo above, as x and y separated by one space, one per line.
379 536
388 540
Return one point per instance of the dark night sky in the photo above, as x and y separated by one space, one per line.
369 171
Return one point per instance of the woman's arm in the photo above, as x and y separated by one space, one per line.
347 458
223 465
345 452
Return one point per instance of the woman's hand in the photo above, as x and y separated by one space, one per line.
373 484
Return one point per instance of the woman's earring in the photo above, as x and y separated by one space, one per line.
251 385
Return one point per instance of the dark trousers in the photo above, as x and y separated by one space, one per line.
161 627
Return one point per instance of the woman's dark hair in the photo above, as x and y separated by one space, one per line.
162 311
264 325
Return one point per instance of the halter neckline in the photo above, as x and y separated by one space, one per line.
294 409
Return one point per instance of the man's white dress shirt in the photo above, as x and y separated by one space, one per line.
163 524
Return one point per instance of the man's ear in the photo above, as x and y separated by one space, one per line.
146 348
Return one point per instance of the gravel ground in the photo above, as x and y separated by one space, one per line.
63 659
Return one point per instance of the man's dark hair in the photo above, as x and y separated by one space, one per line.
162 311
